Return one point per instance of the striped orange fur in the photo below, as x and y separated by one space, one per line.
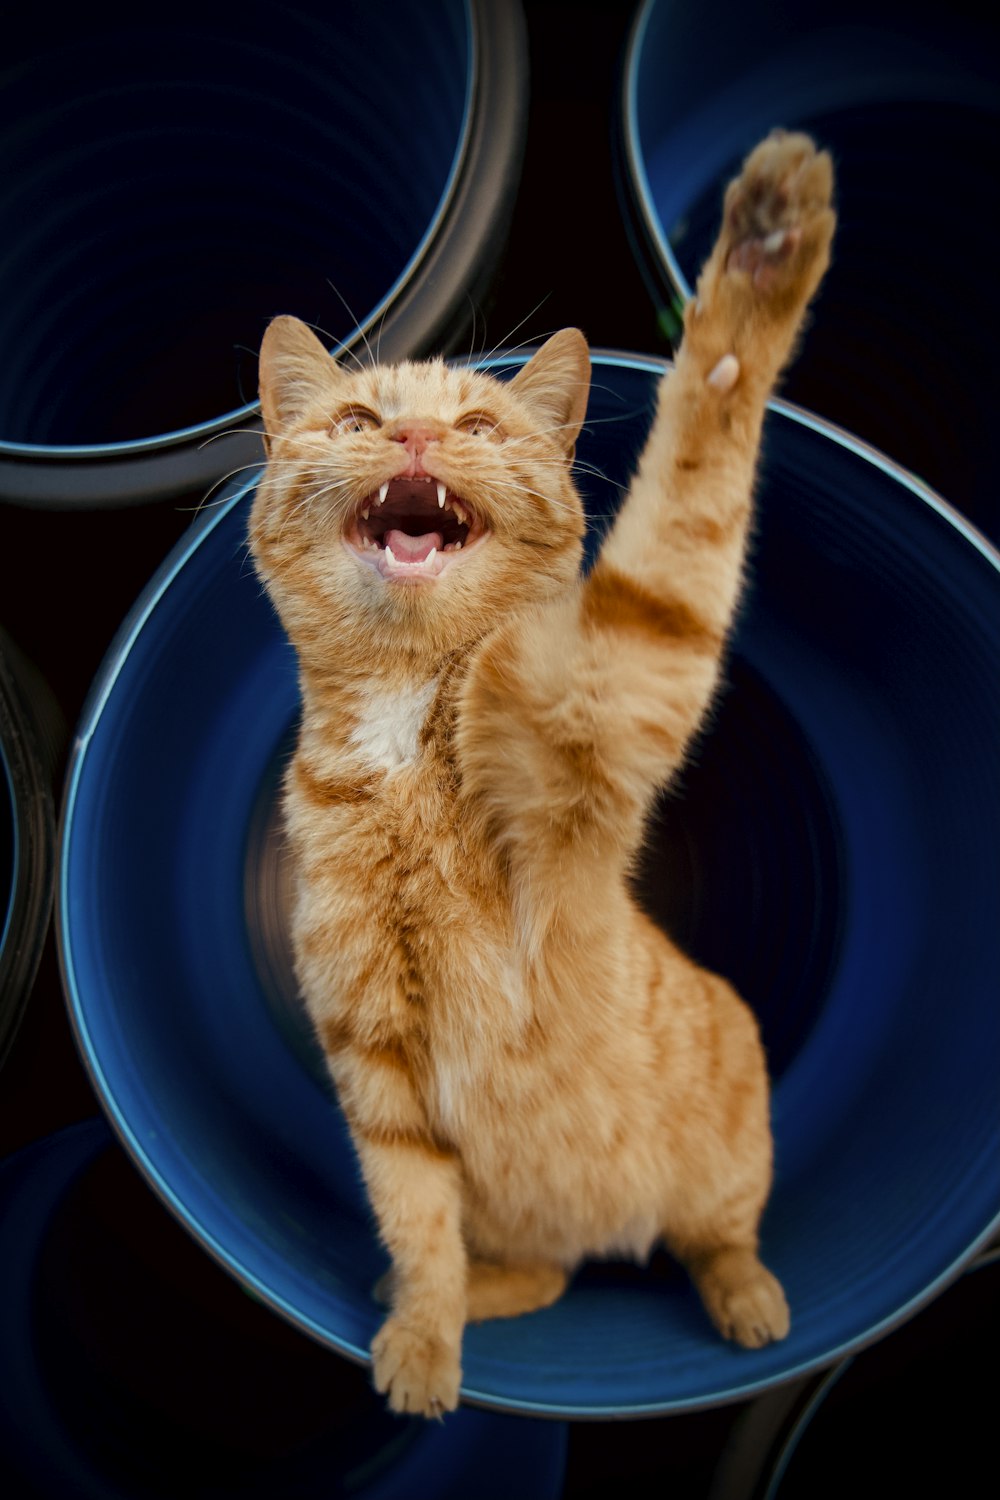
532 1072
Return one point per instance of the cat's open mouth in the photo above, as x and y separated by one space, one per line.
412 529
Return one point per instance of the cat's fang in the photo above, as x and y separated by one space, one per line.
389 557
442 494
383 490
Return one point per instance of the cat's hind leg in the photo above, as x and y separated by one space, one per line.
722 1172
714 1235
741 1296
498 1291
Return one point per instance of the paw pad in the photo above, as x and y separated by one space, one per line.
778 205
725 374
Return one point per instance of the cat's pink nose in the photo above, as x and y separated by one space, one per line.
415 436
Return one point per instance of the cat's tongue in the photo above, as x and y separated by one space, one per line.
411 549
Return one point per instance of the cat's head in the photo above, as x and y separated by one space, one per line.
422 499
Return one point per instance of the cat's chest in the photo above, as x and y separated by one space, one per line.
388 725
392 863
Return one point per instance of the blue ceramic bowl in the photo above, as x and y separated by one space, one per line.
912 1415
170 182
832 849
125 1372
900 348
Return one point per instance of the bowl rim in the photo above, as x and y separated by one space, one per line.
101 690
420 310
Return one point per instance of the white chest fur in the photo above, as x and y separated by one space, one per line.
387 733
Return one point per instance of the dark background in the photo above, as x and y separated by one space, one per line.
68 579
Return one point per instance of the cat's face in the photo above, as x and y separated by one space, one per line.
419 498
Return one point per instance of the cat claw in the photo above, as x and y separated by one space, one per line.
417 1372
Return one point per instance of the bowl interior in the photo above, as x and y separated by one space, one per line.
829 848
131 1365
171 182
907 103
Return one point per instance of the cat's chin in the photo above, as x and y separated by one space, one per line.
424 570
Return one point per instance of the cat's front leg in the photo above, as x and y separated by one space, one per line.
681 533
575 713
414 1188
414 1185
770 256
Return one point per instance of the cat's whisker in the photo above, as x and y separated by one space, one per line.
378 335
206 503
503 342
340 348
251 354
316 495
358 329
608 390
595 473
530 437
293 515
471 356
525 489
311 496
232 432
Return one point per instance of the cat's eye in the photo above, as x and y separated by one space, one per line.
480 424
353 420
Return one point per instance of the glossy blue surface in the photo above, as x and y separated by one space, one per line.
833 849
76 1420
906 99
169 182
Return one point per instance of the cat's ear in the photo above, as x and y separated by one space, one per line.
294 371
556 383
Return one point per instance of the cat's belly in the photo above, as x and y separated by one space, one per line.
552 1208
554 1170
559 1126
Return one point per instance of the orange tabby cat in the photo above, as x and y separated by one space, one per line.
532 1072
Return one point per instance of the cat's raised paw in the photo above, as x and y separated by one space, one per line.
418 1372
779 222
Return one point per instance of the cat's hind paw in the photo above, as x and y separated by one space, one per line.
418 1372
745 1302
755 1314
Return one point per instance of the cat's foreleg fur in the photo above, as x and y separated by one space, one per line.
415 1190
576 713
681 533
